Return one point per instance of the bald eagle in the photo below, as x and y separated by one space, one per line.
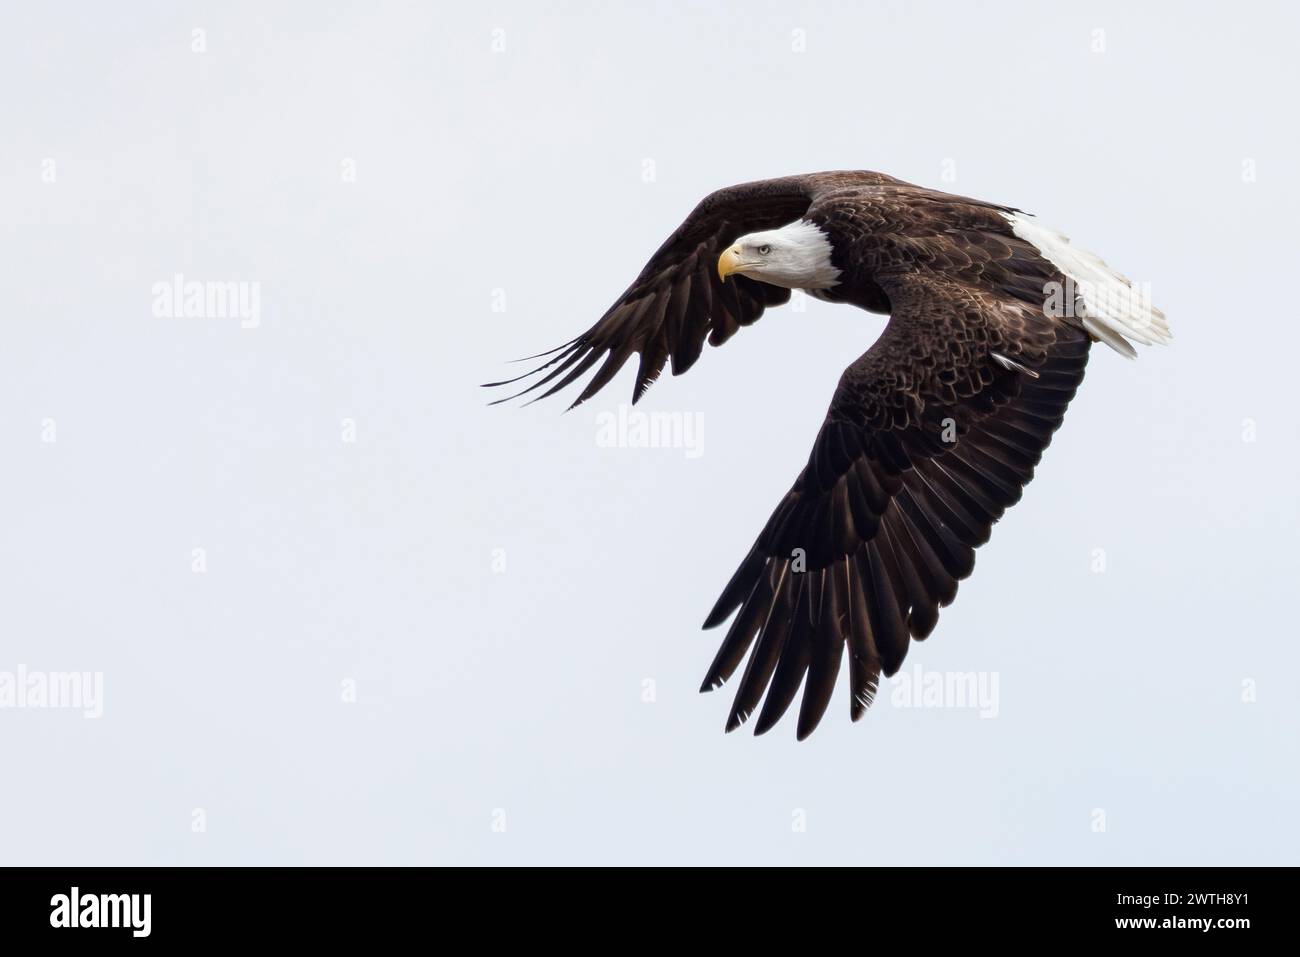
931 435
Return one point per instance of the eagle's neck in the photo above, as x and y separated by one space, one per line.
813 267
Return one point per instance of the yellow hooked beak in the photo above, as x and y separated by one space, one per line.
729 262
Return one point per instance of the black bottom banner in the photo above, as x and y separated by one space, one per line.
1164 907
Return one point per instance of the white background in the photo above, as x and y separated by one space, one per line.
523 170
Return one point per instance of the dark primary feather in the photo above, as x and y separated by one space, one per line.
928 440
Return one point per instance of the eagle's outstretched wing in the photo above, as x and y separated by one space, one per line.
930 436
678 300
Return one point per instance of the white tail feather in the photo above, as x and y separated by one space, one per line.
1116 311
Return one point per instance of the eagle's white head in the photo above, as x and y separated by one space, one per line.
796 256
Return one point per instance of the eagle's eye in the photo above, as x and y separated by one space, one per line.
764 250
